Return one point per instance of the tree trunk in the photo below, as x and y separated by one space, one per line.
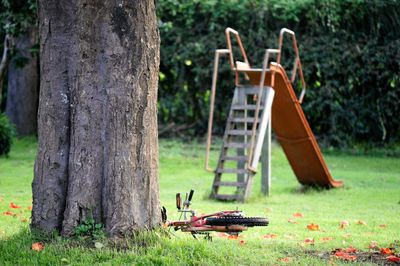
23 85
97 121
4 64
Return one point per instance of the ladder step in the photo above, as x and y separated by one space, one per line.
231 171
227 197
246 107
236 145
244 120
230 184
236 132
234 158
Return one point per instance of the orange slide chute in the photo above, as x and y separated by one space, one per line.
293 131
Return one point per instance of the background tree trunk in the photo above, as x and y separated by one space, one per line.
98 147
23 85
4 64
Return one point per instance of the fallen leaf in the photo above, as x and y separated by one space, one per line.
309 241
269 236
373 245
14 206
326 239
383 225
29 208
9 213
350 250
37 246
298 215
386 251
24 220
360 222
242 242
267 210
233 237
292 221
313 227
345 256
286 260
343 224
393 259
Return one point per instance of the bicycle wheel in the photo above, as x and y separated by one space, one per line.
235 220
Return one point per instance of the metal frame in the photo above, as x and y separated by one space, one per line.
228 33
218 53
297 62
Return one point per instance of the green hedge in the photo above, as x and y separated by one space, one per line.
350 52
6 134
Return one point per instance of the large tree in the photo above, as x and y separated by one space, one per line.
97 124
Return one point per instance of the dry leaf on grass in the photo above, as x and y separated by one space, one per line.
298 215
14 206
37 246
345 256
386 251
313 227
360 222
393 259
269 236
343 224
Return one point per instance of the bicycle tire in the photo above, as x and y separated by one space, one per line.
236 220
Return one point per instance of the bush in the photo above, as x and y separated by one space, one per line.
349 50
6 134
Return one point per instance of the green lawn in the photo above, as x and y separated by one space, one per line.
371 194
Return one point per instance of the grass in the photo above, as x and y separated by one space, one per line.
371 194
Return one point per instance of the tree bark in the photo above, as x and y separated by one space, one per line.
98 147
23 86
4 64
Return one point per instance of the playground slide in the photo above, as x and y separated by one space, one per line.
293 131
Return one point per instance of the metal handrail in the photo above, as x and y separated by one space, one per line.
218 52
259 96
297 62
228 31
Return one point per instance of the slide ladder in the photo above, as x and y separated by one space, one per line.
249 113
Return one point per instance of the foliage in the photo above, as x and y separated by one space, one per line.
349 50
7 133
17 16
89 228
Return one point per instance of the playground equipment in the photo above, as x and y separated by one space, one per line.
249 121
230 222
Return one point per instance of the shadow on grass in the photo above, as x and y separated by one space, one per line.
306 190
17 249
